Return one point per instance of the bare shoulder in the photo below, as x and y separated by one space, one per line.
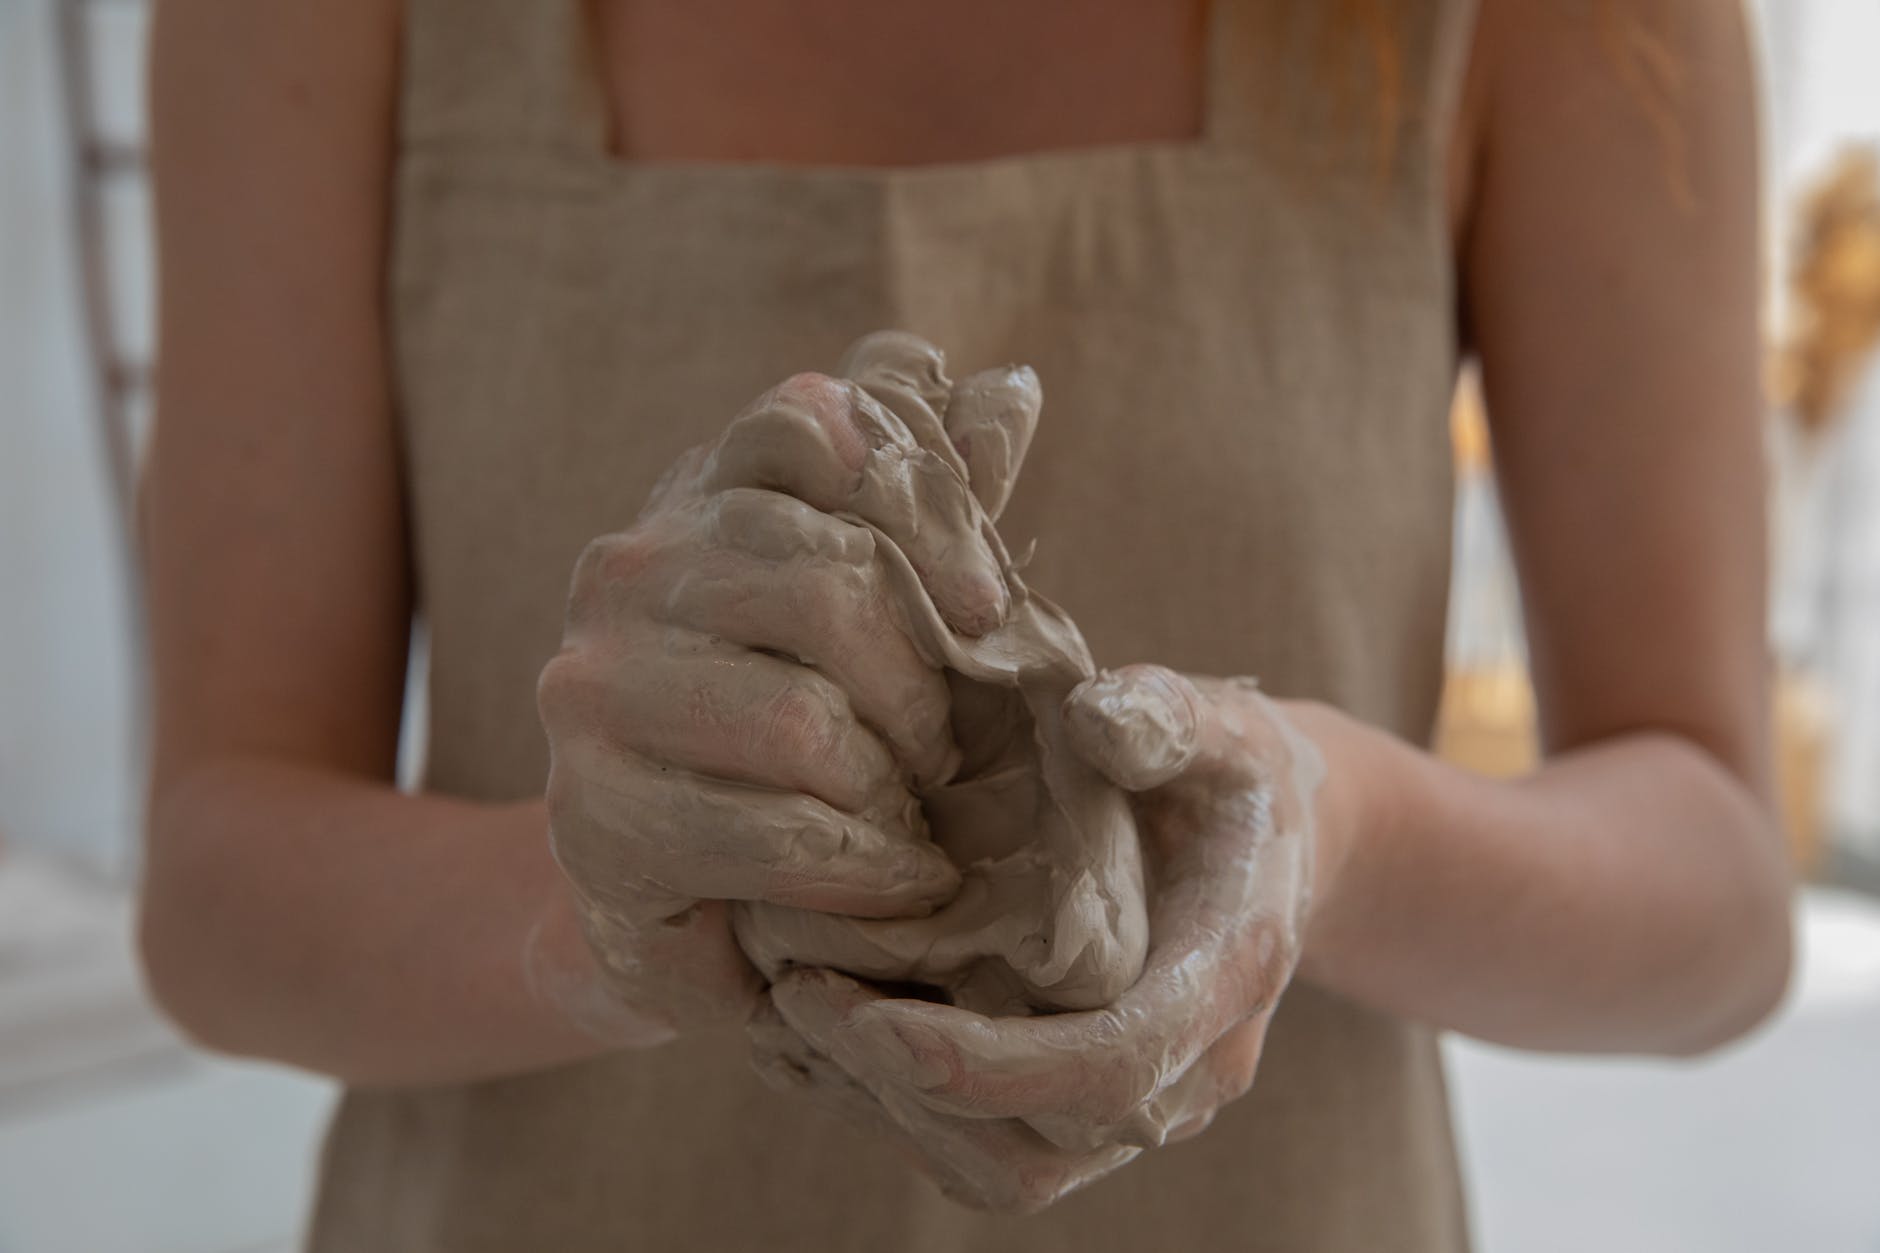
267 119
1659 91
1639 65
301 53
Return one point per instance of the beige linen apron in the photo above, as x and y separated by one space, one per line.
1247 346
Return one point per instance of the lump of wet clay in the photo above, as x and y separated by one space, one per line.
1050 914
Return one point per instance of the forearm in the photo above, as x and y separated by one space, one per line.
1630 896
333 923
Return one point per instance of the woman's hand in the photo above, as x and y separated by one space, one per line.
1012 1113
737 713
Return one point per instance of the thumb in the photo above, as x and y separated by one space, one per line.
1141 726
990 420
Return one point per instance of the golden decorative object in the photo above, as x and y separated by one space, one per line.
1487 721
1801 755
1835 283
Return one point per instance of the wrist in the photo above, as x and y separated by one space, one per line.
564 977
1357 802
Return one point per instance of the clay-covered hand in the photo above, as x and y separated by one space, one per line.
1011 1113
1050 912
737 712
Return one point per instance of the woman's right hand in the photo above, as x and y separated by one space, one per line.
737 712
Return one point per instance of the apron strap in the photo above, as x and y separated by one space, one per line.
521 72
1278 83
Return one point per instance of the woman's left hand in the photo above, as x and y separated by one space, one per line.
1011 1113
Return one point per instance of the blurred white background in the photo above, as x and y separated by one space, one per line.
115 1138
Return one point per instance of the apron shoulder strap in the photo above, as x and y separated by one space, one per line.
502 72
1374 83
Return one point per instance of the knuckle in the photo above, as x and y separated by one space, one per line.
778 528
845 543
606 568
1109 1029
830 603
807 415
1139 1083
796 720
580 693
561 688
1129 1087
808 383
829 402
1129 1076
750 516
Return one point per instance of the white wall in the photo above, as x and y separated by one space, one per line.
67 778
1822 80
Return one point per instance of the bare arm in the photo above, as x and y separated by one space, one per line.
1632 893
296 905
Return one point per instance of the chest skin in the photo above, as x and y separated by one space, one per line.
912 83
897 82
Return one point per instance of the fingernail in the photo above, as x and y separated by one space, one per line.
1138 726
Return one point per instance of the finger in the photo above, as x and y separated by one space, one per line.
1146 726
994 1164
645 841
982 921
908 375
1143 727
1140 725
999 1165
990 419
790 579
1093 1068
803 431
685 700
835 447
1185 1108
1093 1065
786 1063
1222 1077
